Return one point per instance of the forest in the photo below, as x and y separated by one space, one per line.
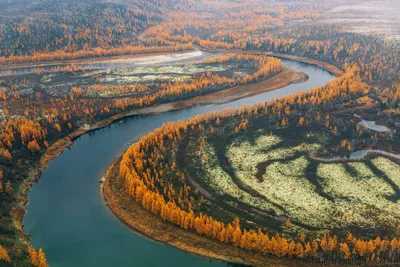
54 88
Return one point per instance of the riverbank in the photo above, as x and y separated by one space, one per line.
324 65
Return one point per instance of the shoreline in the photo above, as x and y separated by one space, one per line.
58 146
367 153
323 65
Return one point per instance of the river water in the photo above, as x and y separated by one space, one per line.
66 213
358 155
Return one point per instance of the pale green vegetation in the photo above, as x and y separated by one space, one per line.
160 74
222 183
391 169
331 195
363 196
284 183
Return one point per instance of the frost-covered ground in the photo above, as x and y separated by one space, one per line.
391 169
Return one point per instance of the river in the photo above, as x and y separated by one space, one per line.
358 155
66 213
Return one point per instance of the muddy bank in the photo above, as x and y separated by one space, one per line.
286 77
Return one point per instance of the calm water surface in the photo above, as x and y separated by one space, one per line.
66 213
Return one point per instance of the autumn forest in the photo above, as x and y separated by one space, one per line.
256 132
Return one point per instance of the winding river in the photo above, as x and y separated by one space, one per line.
66 213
